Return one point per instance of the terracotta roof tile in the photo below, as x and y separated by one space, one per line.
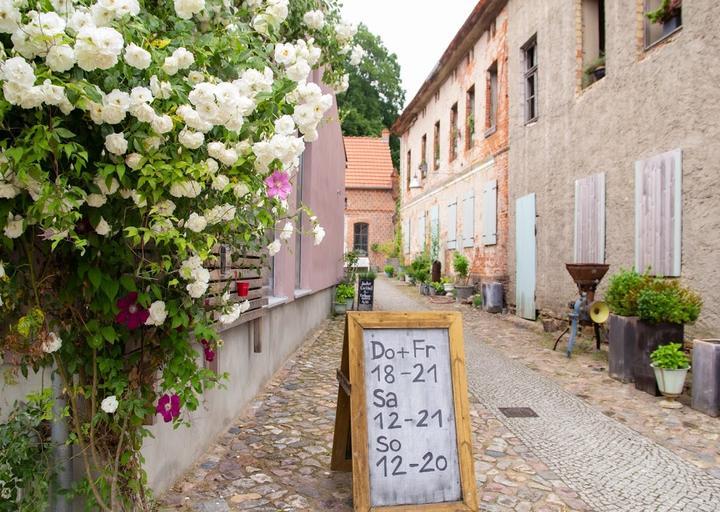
369 164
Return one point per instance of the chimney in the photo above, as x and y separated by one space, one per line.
385 135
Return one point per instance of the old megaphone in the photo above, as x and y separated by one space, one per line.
599 312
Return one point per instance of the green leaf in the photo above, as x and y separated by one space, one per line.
95 277
108 332
128 283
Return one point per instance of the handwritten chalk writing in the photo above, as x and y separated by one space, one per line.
412 448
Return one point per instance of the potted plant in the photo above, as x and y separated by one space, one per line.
344 295
477 301
389 270
448 286
648 311
670 365
668 14
437 288
461 265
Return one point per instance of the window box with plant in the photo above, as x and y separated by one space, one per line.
648 312
668 14
670 365
461 266
594 71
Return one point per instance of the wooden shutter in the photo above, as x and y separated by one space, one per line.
406 236
658 213
421 232
468 221
590 219
490 213
452 226
434 221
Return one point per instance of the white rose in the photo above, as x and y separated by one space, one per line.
274 247
96 200
298 71
61 57
133 160
102 228
158 313
8 190
52 343
137 57
162 124
109 404
14 227
240 190
220 182
196 289
9 17
116 143
285 125
170 65
287 231
196 223
230 316
212 165
106 189
314 19
285 54
140 95
2 270
162 90
17 71
164 208
144 113
186 8
319 233
228 157
357 55
190 139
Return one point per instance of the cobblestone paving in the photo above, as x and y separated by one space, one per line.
277 456
612 466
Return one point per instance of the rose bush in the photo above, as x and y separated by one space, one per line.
137 136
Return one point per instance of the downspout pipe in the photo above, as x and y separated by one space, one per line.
61 449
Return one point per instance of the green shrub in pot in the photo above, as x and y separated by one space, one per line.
670 357
665 300
344 292
461 265
389 270
624 290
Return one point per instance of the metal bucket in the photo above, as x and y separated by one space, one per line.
492 297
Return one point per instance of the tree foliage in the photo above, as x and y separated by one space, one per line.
375 97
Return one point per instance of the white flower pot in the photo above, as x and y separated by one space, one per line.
670 382
448 287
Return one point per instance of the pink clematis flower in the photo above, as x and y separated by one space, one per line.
278 185
131 314
208 352
169 407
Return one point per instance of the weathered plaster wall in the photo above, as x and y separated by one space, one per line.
453 178
650 102
173 451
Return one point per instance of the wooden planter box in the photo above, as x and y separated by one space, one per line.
650 337
706 376
622 338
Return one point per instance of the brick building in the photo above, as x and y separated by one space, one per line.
454 151
370 200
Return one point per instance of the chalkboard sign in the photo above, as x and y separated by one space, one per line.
408 423
366 289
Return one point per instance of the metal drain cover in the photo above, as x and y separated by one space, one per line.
518 412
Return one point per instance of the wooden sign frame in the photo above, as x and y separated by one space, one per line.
354 362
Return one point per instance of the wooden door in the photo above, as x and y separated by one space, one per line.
525 256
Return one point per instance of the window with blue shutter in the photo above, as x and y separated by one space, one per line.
468 219
452 225
490 213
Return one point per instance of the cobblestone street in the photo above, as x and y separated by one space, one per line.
596 445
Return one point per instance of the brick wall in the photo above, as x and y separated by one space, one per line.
377 209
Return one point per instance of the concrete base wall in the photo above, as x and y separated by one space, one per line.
172 452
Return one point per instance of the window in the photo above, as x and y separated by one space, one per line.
658 214
489 205
661 19
469 117
491 99
593 41
493 28
454 135
360 238
408 165
423 156
530 74
436 147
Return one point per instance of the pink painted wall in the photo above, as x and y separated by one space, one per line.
323 190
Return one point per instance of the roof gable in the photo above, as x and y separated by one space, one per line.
369 164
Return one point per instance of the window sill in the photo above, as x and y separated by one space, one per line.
490 131
663 39
531 122
301 293
274 302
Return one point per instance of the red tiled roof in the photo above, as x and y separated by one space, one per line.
369 164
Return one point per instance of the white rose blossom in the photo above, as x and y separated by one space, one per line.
109 404
158 313
196 223
116 143
274 247
287 231
52 343
15 226
314 19
137 57
319 234
102 228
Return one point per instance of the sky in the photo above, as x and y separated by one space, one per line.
418 31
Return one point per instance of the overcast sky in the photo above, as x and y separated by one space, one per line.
418 31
